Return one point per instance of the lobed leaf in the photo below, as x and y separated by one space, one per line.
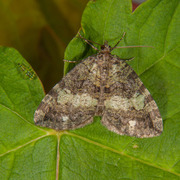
93 152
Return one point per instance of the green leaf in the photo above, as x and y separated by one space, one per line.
93 152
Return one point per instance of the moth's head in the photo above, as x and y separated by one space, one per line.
105 48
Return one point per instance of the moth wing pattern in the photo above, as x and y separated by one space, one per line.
72 102
130 108
101 85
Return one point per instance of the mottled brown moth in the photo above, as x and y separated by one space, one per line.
101 85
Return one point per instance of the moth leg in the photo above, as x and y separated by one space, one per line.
88 42
69 61
130 59
120 59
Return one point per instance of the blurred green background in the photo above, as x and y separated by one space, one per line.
40 30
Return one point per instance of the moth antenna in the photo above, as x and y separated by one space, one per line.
118 41
132 47
88 42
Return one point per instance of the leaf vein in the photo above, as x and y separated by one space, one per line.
121 153
19 147
14 112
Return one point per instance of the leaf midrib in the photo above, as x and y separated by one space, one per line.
58 135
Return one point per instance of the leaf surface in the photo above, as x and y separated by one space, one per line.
93 152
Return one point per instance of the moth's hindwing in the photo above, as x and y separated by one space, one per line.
72 102
129 107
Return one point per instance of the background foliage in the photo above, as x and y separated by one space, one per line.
40 30
93 152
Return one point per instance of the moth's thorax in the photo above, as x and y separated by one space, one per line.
104 54
105 49
103 67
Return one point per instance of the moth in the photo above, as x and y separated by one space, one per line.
28 71
101 85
